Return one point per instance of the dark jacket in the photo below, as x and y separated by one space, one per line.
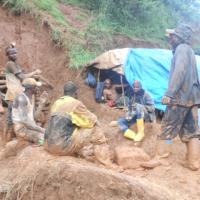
140 97
183 86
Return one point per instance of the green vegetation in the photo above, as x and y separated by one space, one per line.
144 19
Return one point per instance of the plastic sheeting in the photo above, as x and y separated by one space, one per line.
151 67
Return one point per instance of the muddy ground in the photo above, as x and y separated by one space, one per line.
35 174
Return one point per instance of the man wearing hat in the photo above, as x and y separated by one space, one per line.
25 127
72 127
14 76
182 98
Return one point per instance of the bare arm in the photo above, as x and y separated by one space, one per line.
22 76
21 104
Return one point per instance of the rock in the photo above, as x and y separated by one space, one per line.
130 157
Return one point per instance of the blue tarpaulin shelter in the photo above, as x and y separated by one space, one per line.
151 67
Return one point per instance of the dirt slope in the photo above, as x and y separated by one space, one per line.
46 177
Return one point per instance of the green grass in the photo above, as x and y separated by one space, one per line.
79 56
51 6
17 6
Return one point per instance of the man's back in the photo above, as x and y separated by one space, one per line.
80 115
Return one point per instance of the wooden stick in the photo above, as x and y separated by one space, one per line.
123 93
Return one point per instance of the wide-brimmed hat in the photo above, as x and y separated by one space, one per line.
183 31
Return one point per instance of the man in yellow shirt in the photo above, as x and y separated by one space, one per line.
72 126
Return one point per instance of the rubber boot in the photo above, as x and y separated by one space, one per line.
140 127
192 155
163 150
130 134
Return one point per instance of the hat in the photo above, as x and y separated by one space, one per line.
11 50
183 31
31 82
70 87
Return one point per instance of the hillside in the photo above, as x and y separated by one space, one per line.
58 37
89 27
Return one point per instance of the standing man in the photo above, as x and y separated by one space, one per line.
14 77
182 98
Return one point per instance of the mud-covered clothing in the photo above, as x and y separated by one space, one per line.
184 86
142 103
141 97
68 115
22 116
70 145
80 115
182 121
13 83
13 68
76 127
181 117
28 134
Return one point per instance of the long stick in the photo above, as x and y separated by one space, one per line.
123 93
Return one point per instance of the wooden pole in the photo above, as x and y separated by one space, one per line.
123 93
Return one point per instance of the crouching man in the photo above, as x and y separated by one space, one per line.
25 127
72 127
140 109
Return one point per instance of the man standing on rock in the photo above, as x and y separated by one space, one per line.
182 99
72 127
14 76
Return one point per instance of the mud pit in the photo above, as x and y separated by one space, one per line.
35 174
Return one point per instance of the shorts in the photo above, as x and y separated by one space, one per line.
182 121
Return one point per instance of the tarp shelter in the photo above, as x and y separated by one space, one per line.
150 66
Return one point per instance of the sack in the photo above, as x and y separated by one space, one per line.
59 130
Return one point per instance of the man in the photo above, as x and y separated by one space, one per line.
25 127
140 108
109 93
182 99
73 127
23 113
14 76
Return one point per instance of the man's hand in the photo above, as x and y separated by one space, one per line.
166 100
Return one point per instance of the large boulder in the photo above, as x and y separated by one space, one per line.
130 157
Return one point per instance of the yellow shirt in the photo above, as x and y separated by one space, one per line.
80 115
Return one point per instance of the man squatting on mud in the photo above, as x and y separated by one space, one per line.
72 127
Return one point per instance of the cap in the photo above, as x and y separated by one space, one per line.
70 86
31 82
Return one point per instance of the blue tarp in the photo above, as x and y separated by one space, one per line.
151 67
